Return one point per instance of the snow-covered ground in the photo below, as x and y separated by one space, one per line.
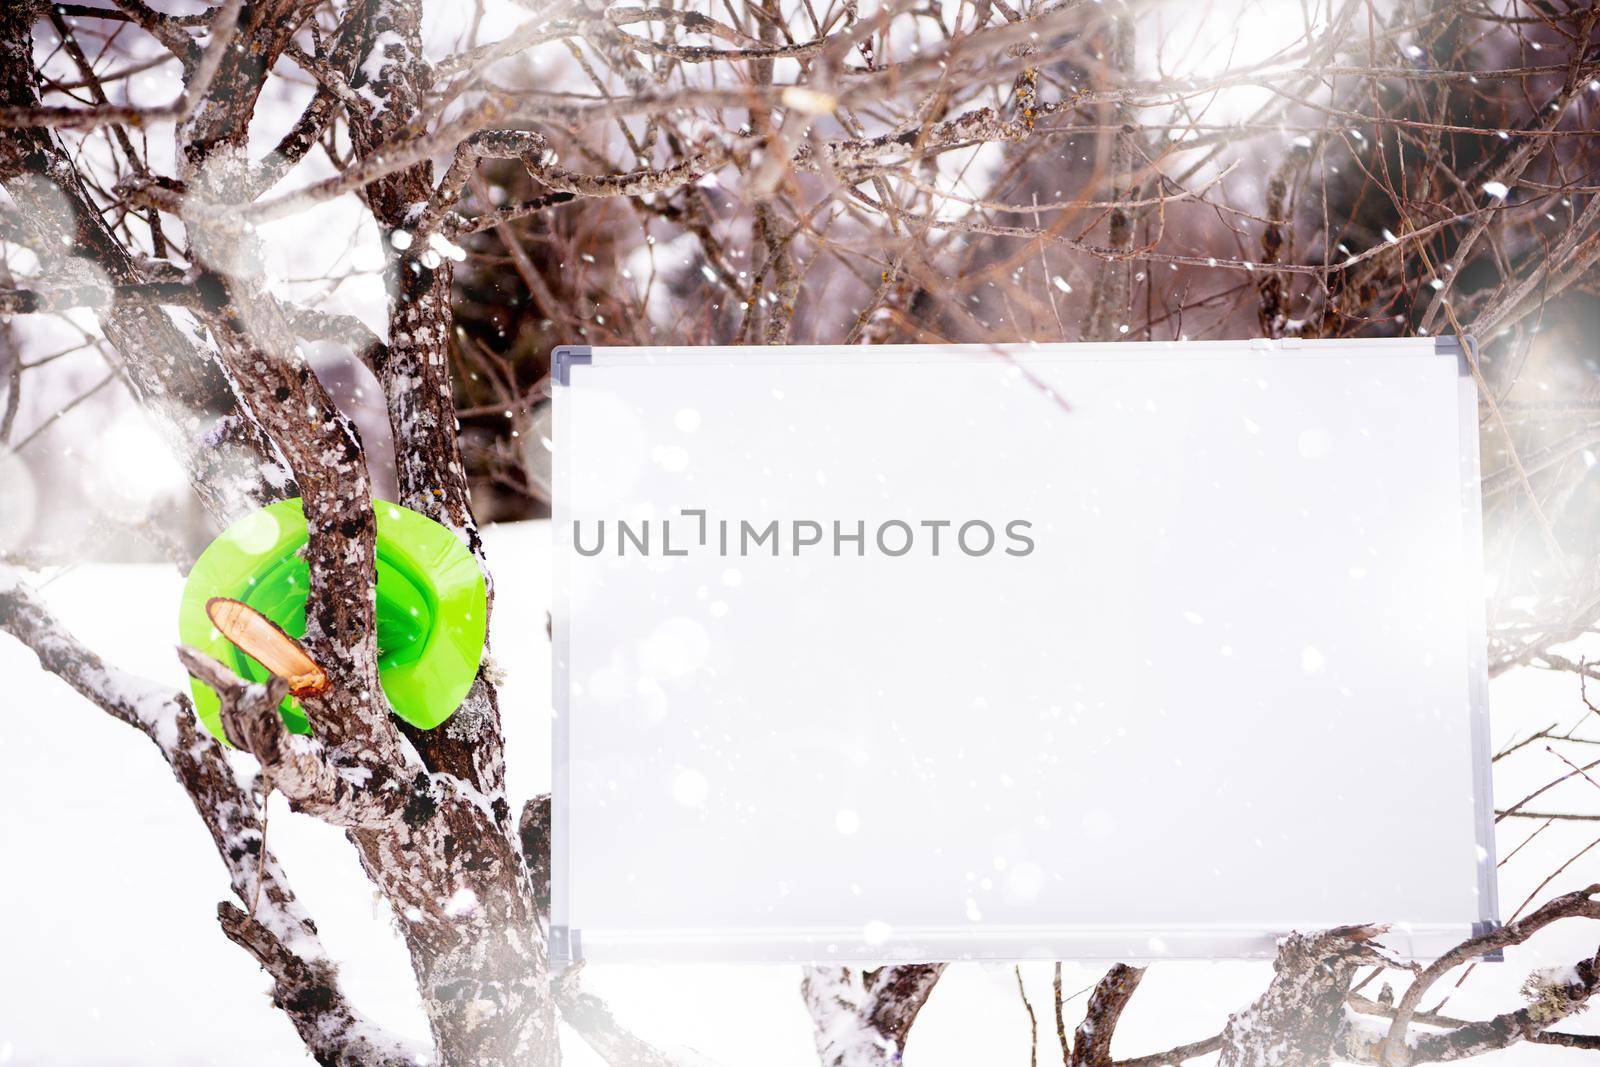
108 885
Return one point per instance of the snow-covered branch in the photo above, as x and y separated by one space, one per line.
307 991
862 1017
592 1019
277 928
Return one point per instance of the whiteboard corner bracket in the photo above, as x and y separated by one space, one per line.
1448 344
566 948
1489 926
564 357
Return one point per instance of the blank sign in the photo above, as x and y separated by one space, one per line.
1017 652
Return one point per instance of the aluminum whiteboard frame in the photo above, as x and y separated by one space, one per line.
1081 942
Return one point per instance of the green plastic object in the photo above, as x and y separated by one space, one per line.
432 608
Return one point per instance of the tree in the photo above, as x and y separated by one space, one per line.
987 172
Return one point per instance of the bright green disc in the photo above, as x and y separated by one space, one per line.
432 607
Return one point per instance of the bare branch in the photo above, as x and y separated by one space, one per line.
181 108
592 1019
1392 1047
1091 1043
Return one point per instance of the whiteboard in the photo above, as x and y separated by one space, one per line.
1233 685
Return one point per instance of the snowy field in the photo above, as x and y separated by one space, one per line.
109 886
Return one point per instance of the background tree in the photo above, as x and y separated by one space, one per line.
758 171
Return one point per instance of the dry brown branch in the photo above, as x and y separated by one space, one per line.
1391 1049
1091 1043
195 88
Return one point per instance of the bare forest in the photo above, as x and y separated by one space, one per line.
753 172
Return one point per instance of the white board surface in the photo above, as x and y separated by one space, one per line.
1234 688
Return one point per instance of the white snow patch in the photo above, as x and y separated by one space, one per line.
461 903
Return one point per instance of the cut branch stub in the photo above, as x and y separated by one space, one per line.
249 712
267 643
1297 1021
314 780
